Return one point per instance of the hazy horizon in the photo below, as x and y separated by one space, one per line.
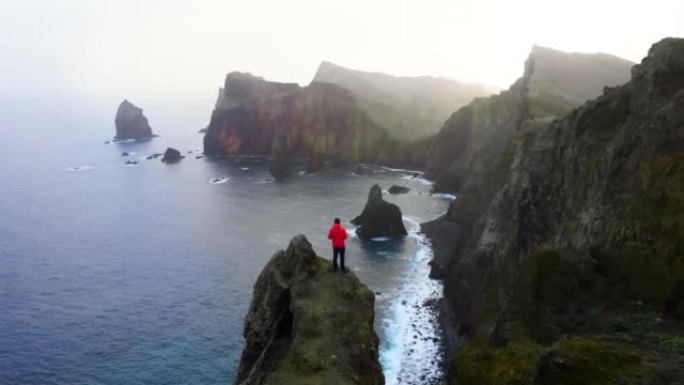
153 50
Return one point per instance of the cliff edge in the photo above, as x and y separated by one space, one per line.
570 268
308 325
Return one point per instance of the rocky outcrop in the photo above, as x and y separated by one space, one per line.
577 228
171 155
308 325
408 107
394 189
131 123
319 123
379 218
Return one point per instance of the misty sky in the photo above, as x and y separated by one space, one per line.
138 48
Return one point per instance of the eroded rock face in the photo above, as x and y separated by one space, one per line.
308 325
379 218
131 123
320 123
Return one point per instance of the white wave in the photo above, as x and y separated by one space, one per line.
219 180
381 239
80 168
383 168
449 197
410 353
130 164
418 179
244 168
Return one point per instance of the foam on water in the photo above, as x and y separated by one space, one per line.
381 239
411 352
419 179
219 180
80 168
449 197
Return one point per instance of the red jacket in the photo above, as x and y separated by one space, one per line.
338 234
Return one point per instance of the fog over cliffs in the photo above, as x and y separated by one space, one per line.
408 107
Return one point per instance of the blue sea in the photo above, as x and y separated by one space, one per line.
142 274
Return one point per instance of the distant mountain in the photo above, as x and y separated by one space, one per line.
408 107
563 81
479 134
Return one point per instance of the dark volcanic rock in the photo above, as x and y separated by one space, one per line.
320 123
131 123
398 189
379 218
308 325
172 155
584 212
280 159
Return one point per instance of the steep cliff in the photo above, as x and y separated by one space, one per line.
319 123
408 107
308 325
479 134
571 227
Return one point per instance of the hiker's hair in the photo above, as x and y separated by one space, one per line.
337 221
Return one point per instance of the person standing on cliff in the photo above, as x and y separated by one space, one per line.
338 234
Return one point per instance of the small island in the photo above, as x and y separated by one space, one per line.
131 124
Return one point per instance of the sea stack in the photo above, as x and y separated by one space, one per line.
131 123
379 218
308 325
280 159
172 155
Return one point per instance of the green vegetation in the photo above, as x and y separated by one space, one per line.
582 361
480 364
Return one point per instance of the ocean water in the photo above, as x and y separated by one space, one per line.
142 274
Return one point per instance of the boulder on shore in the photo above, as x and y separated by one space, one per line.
379 218
398 189
131 123
172 155
308 325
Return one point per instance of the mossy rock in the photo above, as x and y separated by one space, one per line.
479 364
547 280
581 361
308 325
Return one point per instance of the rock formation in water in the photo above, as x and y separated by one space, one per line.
280 159
408 107
569 227
131 123
308 325
172 155
394 189
379 218
319 123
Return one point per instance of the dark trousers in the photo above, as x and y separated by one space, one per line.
338 251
